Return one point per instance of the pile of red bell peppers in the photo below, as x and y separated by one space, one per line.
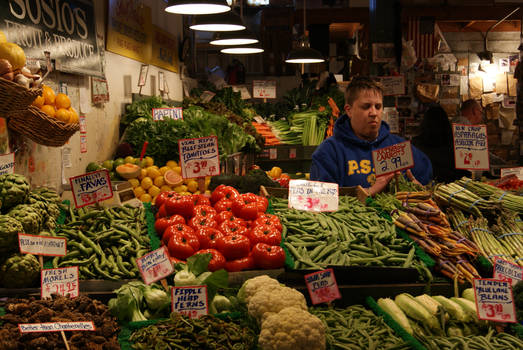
233 227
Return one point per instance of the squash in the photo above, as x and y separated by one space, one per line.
14 54
128 171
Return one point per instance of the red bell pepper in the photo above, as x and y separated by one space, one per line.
246 206
234 246
268 257
218 260
265 234
183 244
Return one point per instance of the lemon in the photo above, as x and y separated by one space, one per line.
138 191
149 161
154 200
154 191
134 182
165 188
146 182
185 193
159 181
152 172
164 169
177 170
146 197
143 174
207 193
180 188
171 164
207 181
192 185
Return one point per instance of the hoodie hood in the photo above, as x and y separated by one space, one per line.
343 131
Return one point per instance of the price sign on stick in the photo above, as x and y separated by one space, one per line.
41 245
264 89
393 158
155 265
507 271
322 286
470 147
7 163
56 326
199 157
91 188
313 195
494 300
60 281
167 113
190 301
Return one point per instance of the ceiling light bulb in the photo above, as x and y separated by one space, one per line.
241 50
224 22
196 7
243 37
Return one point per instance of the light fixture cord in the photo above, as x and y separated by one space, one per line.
304 19
494 25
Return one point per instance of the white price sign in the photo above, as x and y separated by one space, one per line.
516 171
507 271
167 113
155 265
7 163
470 147
190 301
56 326
91 188
313 195
393 158
41 245
494 300
60 281
264 89
199 157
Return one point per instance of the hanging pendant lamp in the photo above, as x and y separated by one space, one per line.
242 49
197 7
222 22
242 37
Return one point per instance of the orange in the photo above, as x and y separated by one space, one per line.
39 101
62 101
63 115
74 116
172 178
48 94
49 110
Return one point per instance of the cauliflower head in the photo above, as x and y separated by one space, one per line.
253 285
268 301
292 329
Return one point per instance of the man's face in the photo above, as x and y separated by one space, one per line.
365 114
477 115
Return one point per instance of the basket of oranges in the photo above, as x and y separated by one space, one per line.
49 121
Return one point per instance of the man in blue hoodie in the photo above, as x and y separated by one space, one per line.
346 157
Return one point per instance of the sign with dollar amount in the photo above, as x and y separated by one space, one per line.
322 286
91 188
494 300
167 113
470 147
155 265
264 89
393 158
199 157
507 271
190 301
313 195
60 281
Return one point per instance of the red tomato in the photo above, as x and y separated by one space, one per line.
162 223
268 219
204 210
233 227
223 205
265 234
200 199
162 197
208 236
201 221
183 244
220 192
245 206
268 257
161 212
173 229
234 246
262 203
218 260
223 216
175 261
182 205
234 219
240 264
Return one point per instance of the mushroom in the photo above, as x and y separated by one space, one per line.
23 80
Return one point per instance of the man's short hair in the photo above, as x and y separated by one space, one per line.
358 84
469 105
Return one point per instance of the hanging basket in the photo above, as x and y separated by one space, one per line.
39 127
15 97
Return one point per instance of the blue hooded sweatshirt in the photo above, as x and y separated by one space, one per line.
346 159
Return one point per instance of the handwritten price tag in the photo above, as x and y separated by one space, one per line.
40 245
56 327
313 195
167 113
264 89
322 286
393 158
91 188
494 300
470 147
7 163
199 157
190 301
507 271
60 281
155 265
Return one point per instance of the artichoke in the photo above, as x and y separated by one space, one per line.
47 207
9 228
20 271
48 194
14 189
29 217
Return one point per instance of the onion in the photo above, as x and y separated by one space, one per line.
23 80
5 66
8 76
25 71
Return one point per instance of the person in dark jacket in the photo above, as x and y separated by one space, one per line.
346 157
435 140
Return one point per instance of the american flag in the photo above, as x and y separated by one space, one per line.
421 31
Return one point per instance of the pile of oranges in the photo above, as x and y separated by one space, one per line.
56 105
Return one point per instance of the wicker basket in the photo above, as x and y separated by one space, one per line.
15 97
39 127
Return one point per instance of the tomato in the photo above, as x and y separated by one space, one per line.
234 219
220 192
177 204
202 221
284 182
175 261
161 212
173 229
162 223
162 197
204 210
234 246
233 227
223 205
200 199
208 236
223 216
265 234
262 203
218 260
240 264
268 257
268 219
245 206
183 244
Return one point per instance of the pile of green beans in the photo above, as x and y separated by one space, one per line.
353 235
104 242
501 341
357 328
